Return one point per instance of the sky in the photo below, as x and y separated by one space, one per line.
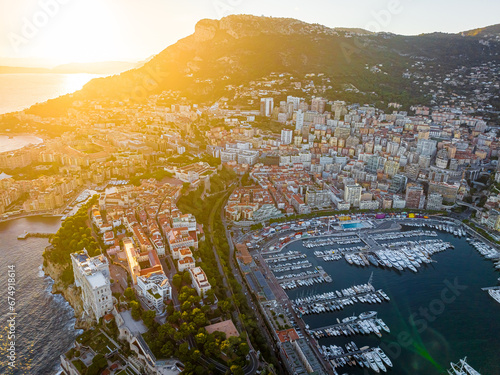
51 32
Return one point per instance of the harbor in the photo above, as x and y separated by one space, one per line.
437 252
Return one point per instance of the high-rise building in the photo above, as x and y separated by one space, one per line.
299 120
266 107
318 105
155 288
352 194
449 192
415 196
426 147
295 101
398 183
286 136
372 164
434 202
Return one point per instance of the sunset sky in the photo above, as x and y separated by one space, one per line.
62 31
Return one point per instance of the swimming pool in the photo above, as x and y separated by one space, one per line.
353 225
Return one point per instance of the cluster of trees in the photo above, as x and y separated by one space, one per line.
208 212
238 298
99 363
184 336
74 235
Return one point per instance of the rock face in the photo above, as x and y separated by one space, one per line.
70 294
205 30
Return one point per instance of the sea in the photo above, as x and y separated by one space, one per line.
15 142
20 91
45 322
426 333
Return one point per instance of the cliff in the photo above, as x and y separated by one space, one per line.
70 294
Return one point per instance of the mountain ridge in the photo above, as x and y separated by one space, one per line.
244 48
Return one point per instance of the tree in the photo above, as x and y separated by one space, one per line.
136 310
243 349
149 317
184 349
236 370
129 294
200 338
168 349
224 306
199 319
99 362
186 278
195 356
177 281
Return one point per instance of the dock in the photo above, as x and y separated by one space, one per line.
26 235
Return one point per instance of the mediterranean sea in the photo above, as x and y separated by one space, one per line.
45 322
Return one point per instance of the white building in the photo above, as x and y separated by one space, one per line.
398 202
155 288
352 194
286 136
200 281
186 263
299 120
92 276
184 221
266 106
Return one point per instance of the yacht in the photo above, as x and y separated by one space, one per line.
462 368
372 362
495 294
383 356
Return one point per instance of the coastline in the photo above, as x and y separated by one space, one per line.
2 220
71 294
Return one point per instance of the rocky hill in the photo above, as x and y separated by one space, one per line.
238 49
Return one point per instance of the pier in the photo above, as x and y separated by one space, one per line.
26 235
307 278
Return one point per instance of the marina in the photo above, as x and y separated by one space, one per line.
426 251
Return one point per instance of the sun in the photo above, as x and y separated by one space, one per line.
81 32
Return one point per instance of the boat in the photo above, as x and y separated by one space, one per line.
372 362
368 314
384 326
383 356
495 294
462 368
378 361
23 236
372 260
